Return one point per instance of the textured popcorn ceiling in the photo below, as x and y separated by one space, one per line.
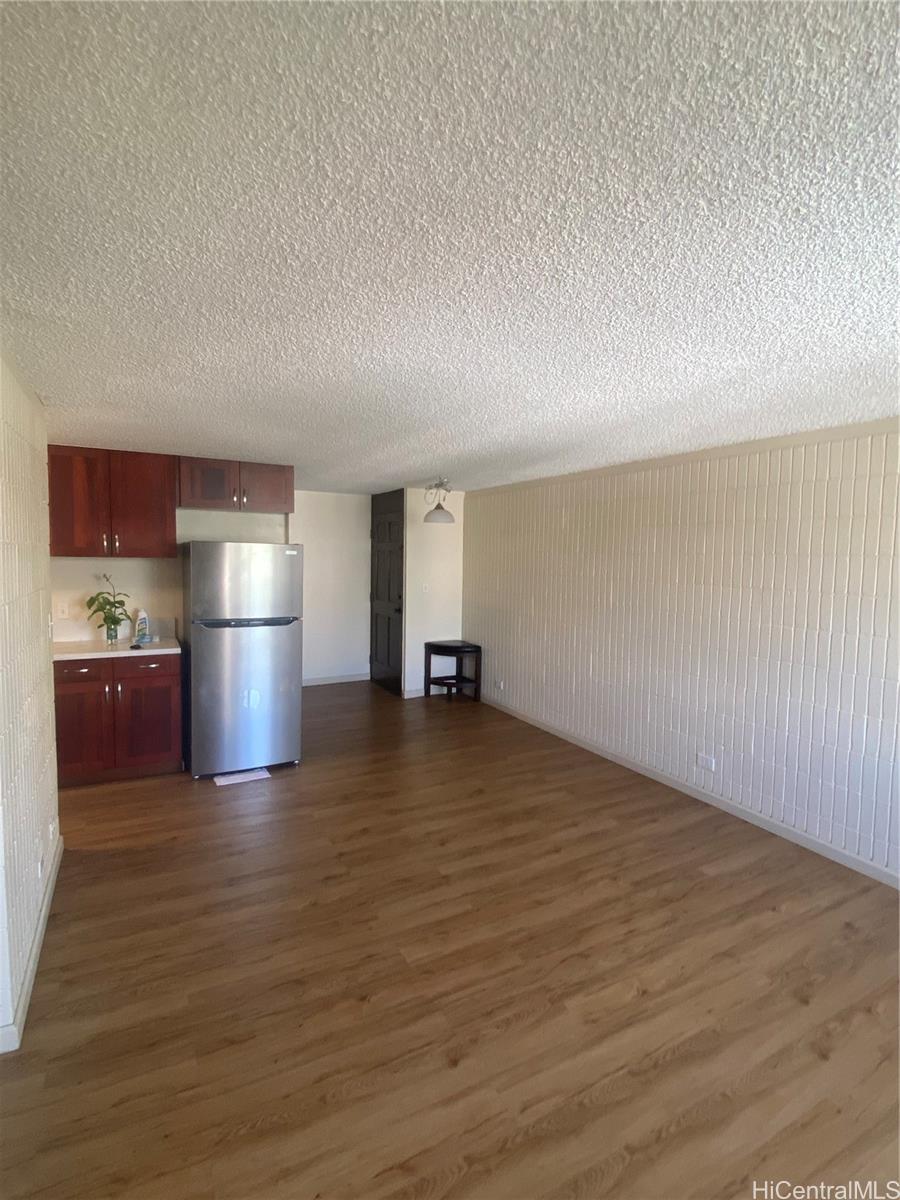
493 241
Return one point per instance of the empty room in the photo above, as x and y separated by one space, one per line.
449 641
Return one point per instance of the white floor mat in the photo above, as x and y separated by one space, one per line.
241 777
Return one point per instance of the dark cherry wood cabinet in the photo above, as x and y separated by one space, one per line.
122 502
79 501
228 486
142 491
148 723
117 719
266 488
210 483
85 720
111 502
148 712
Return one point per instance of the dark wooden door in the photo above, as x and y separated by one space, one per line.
266 488
79 501
386 598
148 720
85 739
210 483
142 493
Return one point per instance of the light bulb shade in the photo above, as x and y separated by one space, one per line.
439 516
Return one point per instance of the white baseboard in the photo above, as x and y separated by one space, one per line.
11 1035
335 679
413 693
882 874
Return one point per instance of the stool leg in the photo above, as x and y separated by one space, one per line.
478 675
427 672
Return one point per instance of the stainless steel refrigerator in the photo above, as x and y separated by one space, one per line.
243 622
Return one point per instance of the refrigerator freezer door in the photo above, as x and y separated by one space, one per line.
245 579
245 696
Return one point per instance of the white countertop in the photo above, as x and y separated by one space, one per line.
67 650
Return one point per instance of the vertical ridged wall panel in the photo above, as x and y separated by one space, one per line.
741 605
28 807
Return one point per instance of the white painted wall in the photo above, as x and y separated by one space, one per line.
204 525
741 604
433 581
30 845
334 531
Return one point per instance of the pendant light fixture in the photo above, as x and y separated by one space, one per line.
436 495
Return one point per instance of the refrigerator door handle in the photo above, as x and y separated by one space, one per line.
243 622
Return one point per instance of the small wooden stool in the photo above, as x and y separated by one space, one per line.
459 651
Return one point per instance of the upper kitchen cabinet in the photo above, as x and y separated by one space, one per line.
236 486
142 492
79 501
111 502
266 488
210 483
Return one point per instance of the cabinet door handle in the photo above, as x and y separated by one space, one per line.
105 544
148 666
108 693
119 690
115 543
245 498
234 497
82 670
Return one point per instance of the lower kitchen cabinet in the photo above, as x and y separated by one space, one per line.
148 714
116 719
85 720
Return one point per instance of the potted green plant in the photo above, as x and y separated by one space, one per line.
109 606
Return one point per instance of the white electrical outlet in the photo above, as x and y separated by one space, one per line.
706 761
41 867
61 610
498 684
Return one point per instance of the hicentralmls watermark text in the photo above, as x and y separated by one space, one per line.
853 1189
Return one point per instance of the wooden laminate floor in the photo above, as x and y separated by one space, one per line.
449 956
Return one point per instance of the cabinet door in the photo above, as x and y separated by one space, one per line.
79 501
85 739
266 488
148 721
142 504
210 483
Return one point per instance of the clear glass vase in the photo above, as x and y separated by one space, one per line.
112 634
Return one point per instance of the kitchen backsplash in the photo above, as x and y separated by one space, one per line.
153 584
